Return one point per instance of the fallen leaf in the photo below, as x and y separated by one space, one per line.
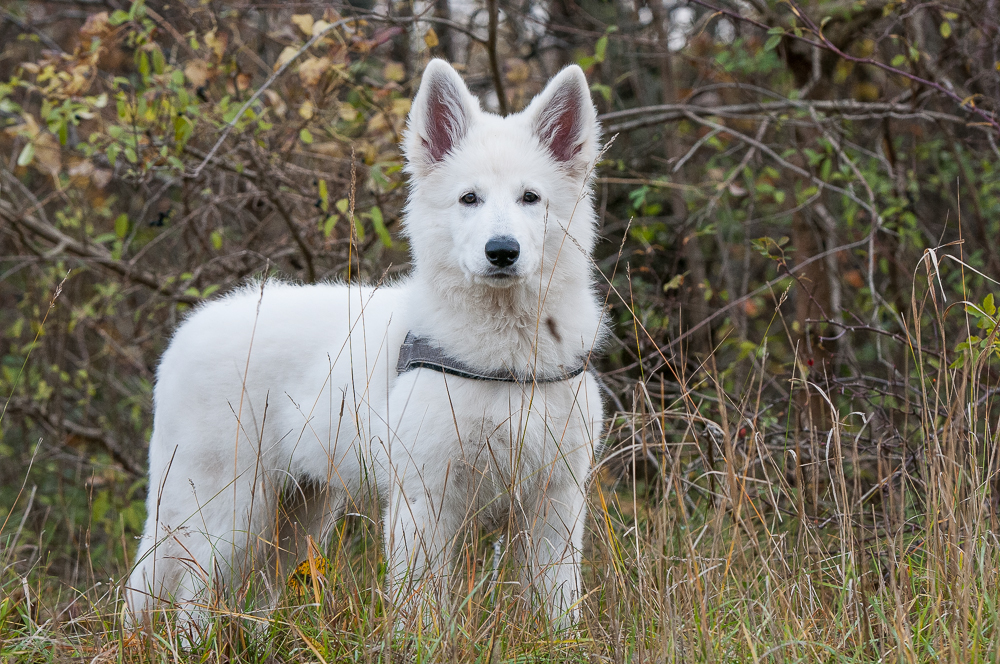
854 278
96 25
81 172
277 103
312 69
101 177
518 71
196 72
401 107
217 42
306 110
305 23
394 71
431 38
286 55
47 154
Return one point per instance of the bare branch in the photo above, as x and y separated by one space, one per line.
92 252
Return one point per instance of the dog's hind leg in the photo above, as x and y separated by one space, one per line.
201 543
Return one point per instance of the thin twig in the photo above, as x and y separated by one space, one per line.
95 434
662 113
93 252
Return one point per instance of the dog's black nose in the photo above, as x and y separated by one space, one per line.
503 251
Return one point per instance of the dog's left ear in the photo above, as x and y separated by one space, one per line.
564 119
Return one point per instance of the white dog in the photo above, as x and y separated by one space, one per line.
279 406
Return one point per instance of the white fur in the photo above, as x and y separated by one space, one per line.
282 398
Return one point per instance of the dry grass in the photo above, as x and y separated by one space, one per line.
718 533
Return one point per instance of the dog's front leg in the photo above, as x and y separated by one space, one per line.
421 524
552 560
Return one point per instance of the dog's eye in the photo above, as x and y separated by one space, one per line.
469 199
530 197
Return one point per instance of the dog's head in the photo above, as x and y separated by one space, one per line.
491 197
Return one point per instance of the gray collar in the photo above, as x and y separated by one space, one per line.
417 352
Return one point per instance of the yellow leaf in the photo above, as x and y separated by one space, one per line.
277 103
216 42
518 71
306 110
401 107
305 23
431 38
394 71
47 154
676 282
312 69
29 128
81 172
96 25
330 148
196 72
319 27
286 55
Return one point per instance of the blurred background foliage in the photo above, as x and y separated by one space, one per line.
781 207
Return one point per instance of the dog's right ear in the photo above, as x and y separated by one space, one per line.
441 115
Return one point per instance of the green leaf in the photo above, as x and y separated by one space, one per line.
772 42
342 205
676 282
27 154
158 63
601 48
121 225
328 225
216 238
603 90
183 128
324 197
989 306
118 17
899 60
305 136
946 29
379 223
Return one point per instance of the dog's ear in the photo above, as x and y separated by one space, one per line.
441 115
564 118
